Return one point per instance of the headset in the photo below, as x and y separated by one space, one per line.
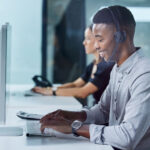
119 36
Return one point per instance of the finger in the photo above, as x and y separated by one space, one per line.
52 121
56 122
51 115
36 89
61 118
33 89
43 91
58 112
48 116
48 124
43 127
40 91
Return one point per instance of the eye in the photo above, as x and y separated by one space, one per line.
100 40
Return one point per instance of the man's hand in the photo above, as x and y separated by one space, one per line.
61 125
58 114
67 115
44 91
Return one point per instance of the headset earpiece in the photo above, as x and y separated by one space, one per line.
120 36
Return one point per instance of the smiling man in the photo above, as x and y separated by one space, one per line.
125 103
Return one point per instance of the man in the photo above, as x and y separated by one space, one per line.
125 103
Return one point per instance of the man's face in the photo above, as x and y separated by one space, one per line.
104 43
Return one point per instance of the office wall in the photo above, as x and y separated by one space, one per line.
25 18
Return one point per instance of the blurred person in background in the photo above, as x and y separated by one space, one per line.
93 81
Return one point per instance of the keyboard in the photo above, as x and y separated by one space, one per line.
33 129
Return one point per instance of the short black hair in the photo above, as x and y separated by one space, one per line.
122 14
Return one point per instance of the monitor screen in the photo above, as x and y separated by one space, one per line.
4 45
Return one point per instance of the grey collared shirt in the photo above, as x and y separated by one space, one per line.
125 105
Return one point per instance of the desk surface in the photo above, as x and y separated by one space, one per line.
43 105
43 101
38 105
48 143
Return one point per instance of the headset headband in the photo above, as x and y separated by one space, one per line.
119 36
115 20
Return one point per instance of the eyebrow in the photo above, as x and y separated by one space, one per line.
98 36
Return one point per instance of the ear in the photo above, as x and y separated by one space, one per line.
120 36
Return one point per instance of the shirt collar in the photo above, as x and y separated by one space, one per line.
129 62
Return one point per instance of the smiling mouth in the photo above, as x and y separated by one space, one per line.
101 53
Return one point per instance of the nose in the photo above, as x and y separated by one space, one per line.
96 45
84 42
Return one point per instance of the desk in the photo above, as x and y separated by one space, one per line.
40 105
43 105
47 143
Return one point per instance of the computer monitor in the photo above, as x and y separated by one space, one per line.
3 53
4 47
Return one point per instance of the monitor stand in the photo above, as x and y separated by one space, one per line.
10 130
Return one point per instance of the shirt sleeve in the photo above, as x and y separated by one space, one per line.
86 75
135 124
102 75
99 114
